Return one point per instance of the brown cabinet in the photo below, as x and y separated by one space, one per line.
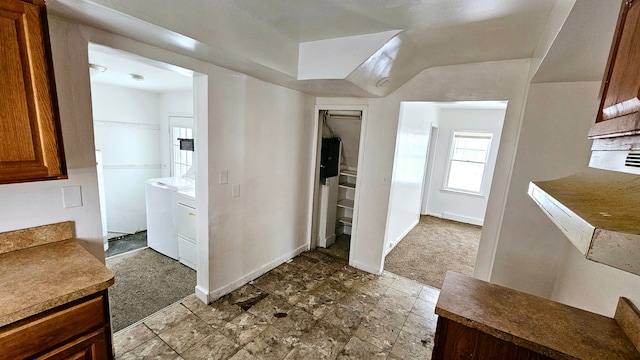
79 330
619 114
457 341
30 135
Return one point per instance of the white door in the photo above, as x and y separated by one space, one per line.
180 127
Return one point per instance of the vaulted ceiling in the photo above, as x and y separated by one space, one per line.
302 43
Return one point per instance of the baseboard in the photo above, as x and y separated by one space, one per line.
393 244
330 240
217 293
367 268
462 218
203 294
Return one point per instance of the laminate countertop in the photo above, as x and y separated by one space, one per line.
38 278
544 326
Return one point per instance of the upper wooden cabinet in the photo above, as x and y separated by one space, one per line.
30 135
619 96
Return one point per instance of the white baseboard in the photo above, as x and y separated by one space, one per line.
397 240
217 293
462 218
203 295
330 240
367 268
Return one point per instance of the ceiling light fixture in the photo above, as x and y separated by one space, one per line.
137 77
382 82
99 68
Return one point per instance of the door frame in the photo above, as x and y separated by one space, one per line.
314 181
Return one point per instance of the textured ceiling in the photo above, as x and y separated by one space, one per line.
261 38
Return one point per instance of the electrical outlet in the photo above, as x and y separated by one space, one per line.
235 190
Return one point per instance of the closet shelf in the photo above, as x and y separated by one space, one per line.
346 203
351 173
348 185
345 220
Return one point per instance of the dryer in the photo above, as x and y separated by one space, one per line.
162 217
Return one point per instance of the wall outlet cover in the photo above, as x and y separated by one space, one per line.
71 196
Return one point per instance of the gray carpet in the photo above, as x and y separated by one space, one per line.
146 281
434 246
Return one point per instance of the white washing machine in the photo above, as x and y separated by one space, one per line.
162 217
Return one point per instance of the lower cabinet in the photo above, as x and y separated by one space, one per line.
457 341
77 330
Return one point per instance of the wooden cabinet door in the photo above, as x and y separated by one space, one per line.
92 346
30 136
618 114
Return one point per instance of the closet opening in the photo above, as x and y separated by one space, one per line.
336 205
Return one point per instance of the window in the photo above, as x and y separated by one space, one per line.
181 160
467 161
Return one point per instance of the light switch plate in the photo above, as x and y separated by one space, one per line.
235 190
71 196
224 177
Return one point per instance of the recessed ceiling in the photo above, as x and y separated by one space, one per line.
122 68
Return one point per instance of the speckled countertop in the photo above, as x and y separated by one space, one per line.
544 326
41 277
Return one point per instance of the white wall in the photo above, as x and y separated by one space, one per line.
127 131
262 134
255 130
412 142
501 80
38 203
553 144
458 206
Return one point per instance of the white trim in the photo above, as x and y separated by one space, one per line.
313 183
450 159
328 241
131 166
463 192
393 244
122 123
458 218
462 218
203 294
221 291
367 268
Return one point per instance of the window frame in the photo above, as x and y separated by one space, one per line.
452 147
178 122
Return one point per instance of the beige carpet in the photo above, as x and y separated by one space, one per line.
434 246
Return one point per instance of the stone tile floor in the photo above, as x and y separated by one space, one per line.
313 307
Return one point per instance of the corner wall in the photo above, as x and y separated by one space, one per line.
552 144
501 80
405 198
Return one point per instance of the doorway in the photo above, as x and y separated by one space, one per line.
138 109
336 195
445 220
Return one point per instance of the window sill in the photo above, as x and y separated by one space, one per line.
462 192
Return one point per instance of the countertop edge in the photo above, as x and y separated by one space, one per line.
538 348
55 302
78 271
